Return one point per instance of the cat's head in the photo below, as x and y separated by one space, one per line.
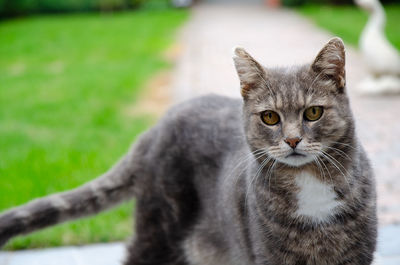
296 114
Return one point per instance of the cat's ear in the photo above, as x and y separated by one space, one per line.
251 73
330 63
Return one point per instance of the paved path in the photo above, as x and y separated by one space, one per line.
113 254
99 254
275 37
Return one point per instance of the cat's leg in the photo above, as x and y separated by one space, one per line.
154 253
159 234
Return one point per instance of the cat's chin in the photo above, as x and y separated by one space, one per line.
296 160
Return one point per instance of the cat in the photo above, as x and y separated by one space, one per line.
277 177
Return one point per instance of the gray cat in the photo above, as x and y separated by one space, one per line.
276 178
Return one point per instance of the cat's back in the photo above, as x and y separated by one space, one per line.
191 143
208 125
211 108
193 140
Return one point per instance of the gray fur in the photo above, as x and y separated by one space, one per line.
215 185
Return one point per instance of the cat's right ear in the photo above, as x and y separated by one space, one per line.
251 73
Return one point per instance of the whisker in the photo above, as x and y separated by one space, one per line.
255 154
338 151
315 158
269 175
262 165
252 155
336 161
248 159
325 155
347 145
327 170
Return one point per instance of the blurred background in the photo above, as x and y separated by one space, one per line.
81 79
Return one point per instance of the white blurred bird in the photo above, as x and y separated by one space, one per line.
382 59
380 55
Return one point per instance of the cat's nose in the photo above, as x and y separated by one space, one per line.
293 142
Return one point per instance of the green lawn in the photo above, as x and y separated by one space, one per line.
347 22
65 84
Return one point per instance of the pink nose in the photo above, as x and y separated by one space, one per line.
292 142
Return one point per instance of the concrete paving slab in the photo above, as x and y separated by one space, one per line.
99 254
389 241
113 253
391 261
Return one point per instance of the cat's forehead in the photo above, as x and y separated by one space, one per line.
290 89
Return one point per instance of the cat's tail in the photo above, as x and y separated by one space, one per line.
108 190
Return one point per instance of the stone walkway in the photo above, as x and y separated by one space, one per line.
99 254
114 253
274 37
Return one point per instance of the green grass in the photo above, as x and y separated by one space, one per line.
347 22
65 84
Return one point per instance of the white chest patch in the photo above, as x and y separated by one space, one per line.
315 198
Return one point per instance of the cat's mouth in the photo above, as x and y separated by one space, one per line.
295 154
295 158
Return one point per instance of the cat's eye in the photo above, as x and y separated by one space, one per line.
270 117
313 113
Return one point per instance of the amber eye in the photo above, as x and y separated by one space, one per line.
313 113
270 117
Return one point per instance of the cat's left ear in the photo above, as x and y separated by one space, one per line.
251 73
330 63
